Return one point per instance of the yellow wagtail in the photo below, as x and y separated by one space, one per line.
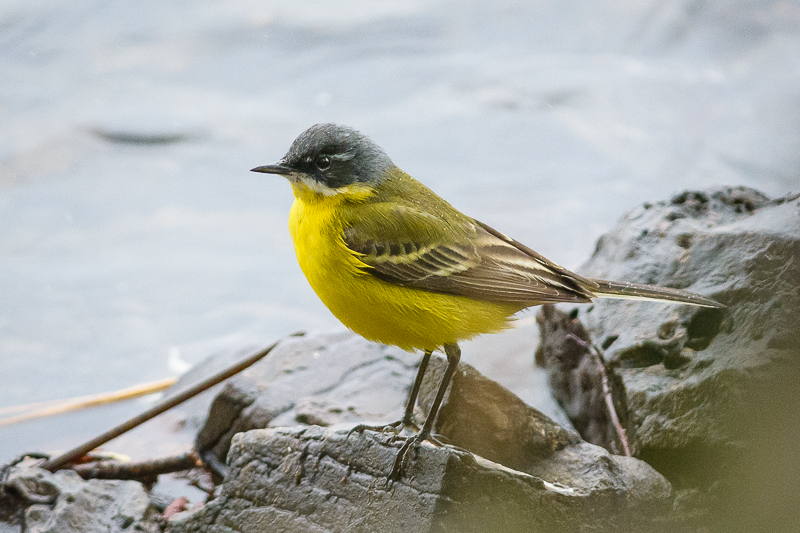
399 265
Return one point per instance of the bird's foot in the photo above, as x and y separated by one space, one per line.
402 455
411 443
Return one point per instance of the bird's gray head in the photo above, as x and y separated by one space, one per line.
327 157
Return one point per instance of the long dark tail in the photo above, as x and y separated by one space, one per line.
634 291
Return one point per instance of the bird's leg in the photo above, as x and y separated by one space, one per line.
408 416
453 353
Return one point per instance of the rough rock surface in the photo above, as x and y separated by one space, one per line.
483 417
709 397
314 480
327 378
269 483
318 379
37 501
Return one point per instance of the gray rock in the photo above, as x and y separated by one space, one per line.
360 381
521 456
327 378
505 357
483 417
315 479
709 396
62 502
319 379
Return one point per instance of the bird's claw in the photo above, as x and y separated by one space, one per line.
400 458
402 454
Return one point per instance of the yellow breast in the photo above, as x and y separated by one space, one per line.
375 309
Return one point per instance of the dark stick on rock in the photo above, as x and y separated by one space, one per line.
612 412
76 453
138 470
575 379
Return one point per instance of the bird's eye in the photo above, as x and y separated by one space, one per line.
323 162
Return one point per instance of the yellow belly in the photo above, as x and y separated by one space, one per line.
375 309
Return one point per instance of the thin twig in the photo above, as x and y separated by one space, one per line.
594 351
140 470
76 453
83 402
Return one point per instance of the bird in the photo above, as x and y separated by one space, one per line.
399 265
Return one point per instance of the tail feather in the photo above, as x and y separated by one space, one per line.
635 291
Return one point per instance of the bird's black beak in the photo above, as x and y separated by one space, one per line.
275 168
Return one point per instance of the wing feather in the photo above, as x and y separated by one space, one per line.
478 262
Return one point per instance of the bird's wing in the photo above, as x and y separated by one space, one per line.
429 252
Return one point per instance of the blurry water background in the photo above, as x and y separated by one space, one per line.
132 229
